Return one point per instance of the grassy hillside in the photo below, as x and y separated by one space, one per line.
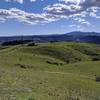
52 71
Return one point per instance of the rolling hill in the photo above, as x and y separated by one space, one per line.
50 71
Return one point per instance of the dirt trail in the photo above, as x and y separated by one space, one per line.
9 49
67 73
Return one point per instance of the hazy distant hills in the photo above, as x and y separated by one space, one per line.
78 33
91 37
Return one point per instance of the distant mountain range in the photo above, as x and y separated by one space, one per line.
78 33
77 36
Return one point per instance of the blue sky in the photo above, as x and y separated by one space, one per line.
35 17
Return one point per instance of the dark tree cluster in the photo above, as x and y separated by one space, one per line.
15 42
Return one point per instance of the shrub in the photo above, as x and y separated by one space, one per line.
23 66
97 79
95 59
31 98
54 62
32 44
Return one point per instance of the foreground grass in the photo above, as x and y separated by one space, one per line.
26 75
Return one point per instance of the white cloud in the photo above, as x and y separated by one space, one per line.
21 1
76 10
24 17
33 0
77 2
71 7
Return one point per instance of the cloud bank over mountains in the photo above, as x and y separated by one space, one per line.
76 10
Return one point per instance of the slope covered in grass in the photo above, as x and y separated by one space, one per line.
25 73
65 54
92 50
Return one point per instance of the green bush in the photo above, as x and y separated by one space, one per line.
31 98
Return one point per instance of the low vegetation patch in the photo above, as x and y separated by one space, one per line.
54 62
31 98
32 44
97 79
23 66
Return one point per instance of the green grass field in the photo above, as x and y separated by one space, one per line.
50 71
